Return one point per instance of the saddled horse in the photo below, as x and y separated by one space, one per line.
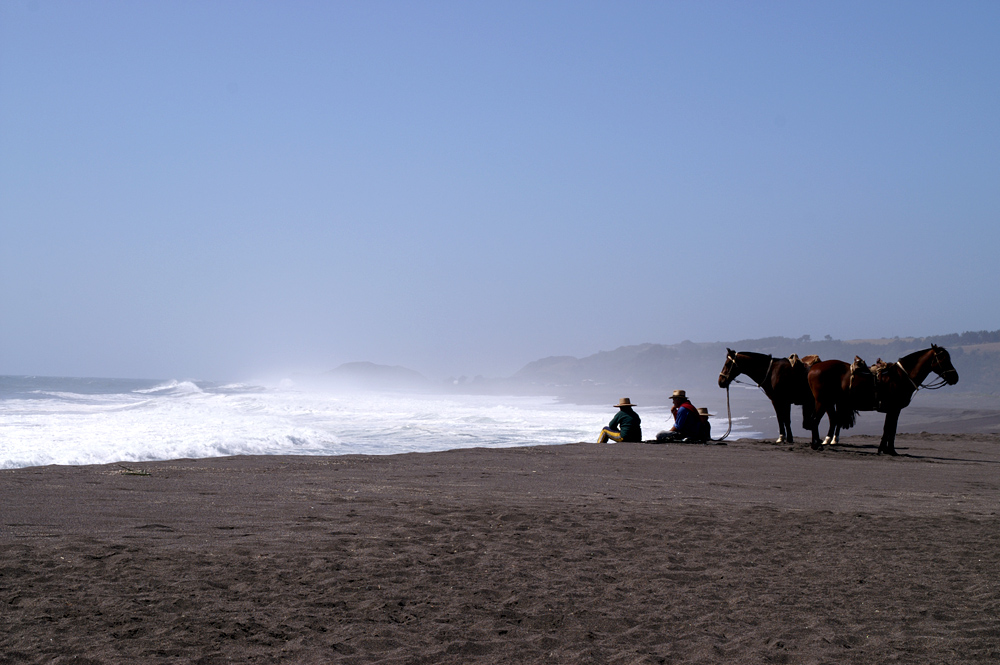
892 388
839 391
783 381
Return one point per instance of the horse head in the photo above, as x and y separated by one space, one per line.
730 370
941 365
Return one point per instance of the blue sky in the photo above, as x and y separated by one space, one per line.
218 190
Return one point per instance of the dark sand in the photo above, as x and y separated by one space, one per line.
584 553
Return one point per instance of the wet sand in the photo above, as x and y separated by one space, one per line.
582 553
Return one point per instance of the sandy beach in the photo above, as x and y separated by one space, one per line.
581 553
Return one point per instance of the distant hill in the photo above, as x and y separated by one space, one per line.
654 368
369 376
649 371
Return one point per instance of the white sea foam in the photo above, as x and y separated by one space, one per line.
173 388
70 424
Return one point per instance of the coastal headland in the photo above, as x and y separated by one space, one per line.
578 553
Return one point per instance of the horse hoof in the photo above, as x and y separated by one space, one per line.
815 445
834 441
826 441
780 439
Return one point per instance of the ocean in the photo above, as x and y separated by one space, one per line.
50 420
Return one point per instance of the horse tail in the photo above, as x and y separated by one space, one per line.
808 411
847 416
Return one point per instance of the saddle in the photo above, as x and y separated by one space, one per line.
879 367
887 382
807 361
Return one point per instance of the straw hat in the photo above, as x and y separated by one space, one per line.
625 402
679 394
702 411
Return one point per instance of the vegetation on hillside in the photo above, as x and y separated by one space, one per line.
662 367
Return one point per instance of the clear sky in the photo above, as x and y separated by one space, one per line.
220 189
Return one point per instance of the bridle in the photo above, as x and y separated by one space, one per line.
940 371
941 382
735 365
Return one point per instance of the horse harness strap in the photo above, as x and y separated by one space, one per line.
767 375
907 375
767 372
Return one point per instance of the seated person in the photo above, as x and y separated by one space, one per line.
687 423
706 427
625 426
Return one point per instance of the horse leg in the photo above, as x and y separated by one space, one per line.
808 409
814 418
818 443
831 414
784 413
807 414
888 443
831 433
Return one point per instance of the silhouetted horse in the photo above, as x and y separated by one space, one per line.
891 389
783 381
839 391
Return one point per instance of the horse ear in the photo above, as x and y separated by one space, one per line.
730 352
933 345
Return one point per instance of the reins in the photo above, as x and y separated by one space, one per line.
729 413
940 383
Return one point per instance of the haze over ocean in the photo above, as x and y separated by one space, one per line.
229 191
85 421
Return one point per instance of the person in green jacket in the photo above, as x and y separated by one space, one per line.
625 426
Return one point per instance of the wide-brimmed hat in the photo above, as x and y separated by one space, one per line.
702 411
625 402
679 393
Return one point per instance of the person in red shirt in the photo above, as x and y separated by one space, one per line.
687 422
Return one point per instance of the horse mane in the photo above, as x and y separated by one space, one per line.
908 356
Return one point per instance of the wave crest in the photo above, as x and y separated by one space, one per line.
173 388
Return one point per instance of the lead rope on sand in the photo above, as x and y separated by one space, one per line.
729 412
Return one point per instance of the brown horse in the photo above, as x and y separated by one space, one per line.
841 393
782 381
